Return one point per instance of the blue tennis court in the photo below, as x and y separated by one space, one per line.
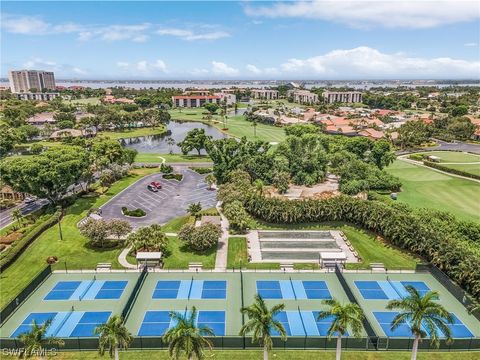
190 289
155 323
389 290
65 324
87 290
293 289
303 323
385 318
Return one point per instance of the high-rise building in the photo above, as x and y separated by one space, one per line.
22 81
343 96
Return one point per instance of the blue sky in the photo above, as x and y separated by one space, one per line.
243 40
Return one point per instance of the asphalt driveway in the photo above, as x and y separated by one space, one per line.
168 203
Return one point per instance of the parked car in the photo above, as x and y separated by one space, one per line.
156 184
152 188
29 200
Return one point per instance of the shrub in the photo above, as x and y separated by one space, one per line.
194 209
200 238
150 238
166 169
6 203
177 177
237 216
96 231
450 170
134 213
201 170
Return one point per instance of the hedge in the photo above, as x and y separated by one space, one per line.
11 254
134 213
177 177
450 170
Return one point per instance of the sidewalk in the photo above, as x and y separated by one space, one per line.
222 248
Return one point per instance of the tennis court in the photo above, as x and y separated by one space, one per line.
374 291
293 289
76 303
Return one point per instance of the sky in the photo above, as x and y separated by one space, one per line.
342 39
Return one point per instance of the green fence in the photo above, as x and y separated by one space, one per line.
24 294
292 343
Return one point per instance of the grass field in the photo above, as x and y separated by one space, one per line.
237 125
275 354
73 250
178 256
128 133
466 162
370 248
87 101
422 187
157 158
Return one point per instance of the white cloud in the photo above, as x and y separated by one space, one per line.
190 35
118 32
220 68
366 62
143 67
32 25
59 69
253 69
470 44
367 13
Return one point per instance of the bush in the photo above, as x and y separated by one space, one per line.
8 256
450 170
237 216
201 170
177 177
416 157
134 213
200 238
6 203
166 169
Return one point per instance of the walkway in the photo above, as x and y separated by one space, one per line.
222 247
122 259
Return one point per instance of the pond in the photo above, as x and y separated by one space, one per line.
177 131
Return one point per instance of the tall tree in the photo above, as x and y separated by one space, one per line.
187 337
113 336
344 317
35 340
421 312
196 139
261 324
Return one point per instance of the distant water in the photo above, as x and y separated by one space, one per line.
177 131
360 85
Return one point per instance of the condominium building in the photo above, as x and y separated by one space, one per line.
195 100
303 96
342 96
36 96
265 94
22 81
229 98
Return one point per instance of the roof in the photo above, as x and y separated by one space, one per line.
338 255
154 255
66 132
372 133
41 118
180 97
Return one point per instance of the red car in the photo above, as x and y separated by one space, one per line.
156 184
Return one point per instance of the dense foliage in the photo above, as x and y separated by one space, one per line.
200 238
150 238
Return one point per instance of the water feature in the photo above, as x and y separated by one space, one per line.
176 130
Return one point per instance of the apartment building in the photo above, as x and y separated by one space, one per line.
303 96
22 81
37 96
191 101
265 94
229 98
343 96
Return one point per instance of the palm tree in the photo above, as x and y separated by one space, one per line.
261 323
210 180
17 215
187 336
348 316
170 143
418 311
35 340
113 335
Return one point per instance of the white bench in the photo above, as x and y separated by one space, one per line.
195 266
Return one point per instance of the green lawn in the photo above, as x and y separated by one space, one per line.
73 250
237 256
422 187
237 125
370 248
174 226
453 156
157 158
178 256
87 101
275 354
128 133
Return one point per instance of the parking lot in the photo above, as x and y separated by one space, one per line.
168 203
